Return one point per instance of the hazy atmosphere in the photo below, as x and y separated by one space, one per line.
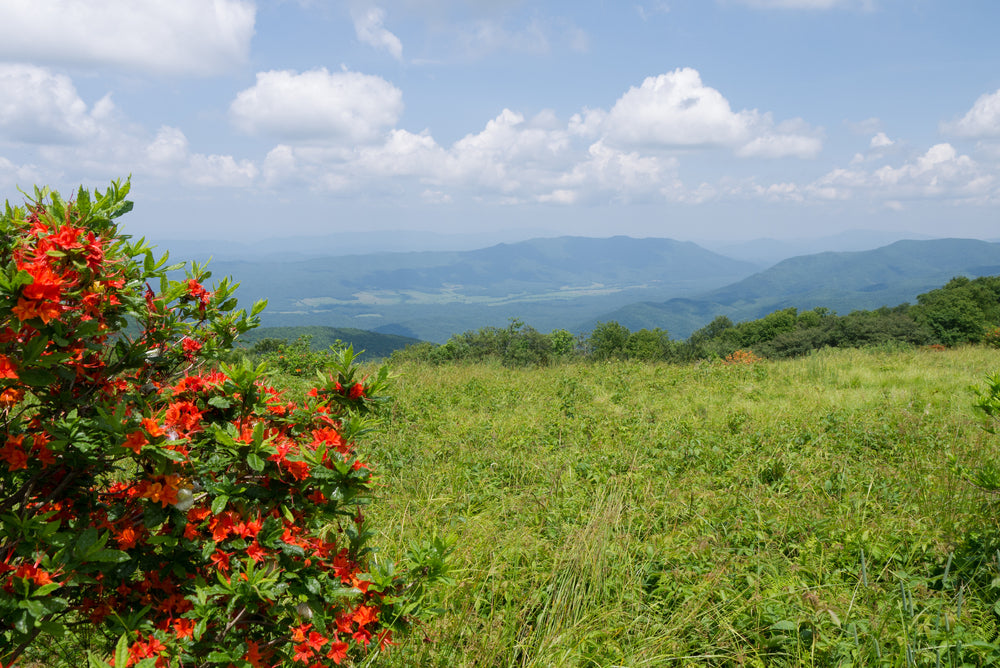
504 120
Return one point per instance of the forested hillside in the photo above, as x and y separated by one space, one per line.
839 282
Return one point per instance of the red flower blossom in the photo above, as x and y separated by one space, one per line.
27 310
13 453
7 368
299 470
183 628
183 417
337 651
135 441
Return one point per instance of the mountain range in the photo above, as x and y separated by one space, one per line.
576 282
548 283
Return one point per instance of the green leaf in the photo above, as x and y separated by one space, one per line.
220 402
36 377
110 555
121 651
45 590
219 504
95 662
255 461
784 625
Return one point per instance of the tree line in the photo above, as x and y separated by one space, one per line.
962 311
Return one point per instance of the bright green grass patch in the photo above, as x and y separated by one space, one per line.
802 512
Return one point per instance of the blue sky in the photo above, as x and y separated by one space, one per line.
503 119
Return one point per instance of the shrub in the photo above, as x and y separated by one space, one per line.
608 341
745 357
180 510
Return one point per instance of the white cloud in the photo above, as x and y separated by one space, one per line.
981 121
220 171
781 146
172 36
881 140
23 176
318 105
168 157
169 148
941 173
40 107
626 174
368 26
676 110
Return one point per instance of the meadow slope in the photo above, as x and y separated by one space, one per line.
803 512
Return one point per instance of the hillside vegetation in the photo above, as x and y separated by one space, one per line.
815 511
962 311
841 282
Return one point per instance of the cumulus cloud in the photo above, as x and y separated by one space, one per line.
881 140
40 107
14 175
177 37
676 110
623 154
318 106
169 155
941 172
981 121
626 174
370 29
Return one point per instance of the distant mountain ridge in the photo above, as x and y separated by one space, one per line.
843 282
548 283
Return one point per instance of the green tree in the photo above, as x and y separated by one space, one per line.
608 341
648 345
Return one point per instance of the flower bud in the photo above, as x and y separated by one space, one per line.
185 499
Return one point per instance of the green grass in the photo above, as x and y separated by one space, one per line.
790 513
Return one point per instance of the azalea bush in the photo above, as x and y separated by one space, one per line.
158 508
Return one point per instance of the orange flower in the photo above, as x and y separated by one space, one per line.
126 538
135 441
11 396
183 628
13 453
46 284
183 416
152 427
7 368
365 615
164 493
27 309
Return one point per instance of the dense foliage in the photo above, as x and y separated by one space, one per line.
153 501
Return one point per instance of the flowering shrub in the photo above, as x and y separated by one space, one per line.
991 337
183 510
746 357
296 358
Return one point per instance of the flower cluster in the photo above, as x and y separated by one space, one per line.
744 357
182 506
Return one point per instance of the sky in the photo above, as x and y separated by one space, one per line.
508 119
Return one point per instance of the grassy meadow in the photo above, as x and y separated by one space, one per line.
803 512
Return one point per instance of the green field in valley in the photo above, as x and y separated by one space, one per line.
815 511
